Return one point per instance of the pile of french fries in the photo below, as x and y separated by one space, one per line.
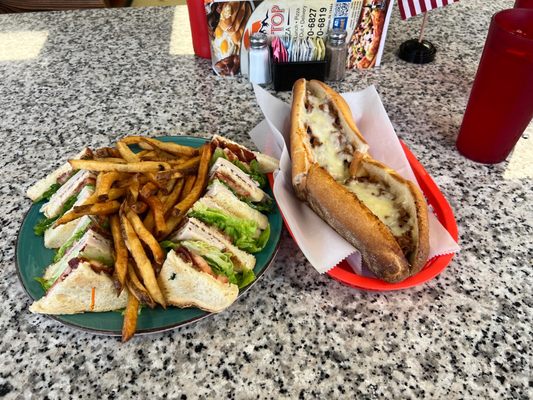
145 195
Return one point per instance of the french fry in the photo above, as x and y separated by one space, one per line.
145 235
157 155
172 224
109 207
129 325
145 153
159 216
106 152
148 189
137 288
168 203
129 179
126 152
187 167
165 176
116 160
149 143
172 148
173 197
98 165
139 207
143 263
121 253
133 189
113 194
165 155
169 186
199 185
153 177
187 187
104 181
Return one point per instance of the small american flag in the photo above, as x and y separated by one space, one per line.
410 8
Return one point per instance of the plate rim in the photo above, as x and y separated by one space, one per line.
146 331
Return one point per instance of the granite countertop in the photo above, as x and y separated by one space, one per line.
296 334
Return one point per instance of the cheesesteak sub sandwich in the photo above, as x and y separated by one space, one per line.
379 212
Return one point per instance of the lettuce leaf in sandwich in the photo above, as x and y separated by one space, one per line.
252 169
241 231
219 261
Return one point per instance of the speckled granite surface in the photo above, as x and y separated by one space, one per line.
465 334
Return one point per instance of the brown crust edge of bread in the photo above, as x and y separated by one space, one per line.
300 153
422 252
343 211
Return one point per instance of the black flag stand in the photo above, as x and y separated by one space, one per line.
418 51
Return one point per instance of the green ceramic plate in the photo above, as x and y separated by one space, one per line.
32 259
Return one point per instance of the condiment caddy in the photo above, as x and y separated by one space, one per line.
289 59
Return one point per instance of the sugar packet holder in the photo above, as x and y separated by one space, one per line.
287 64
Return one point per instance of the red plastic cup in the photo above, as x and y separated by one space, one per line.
523 4
501 102
199 32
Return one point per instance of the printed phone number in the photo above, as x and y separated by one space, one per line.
316 20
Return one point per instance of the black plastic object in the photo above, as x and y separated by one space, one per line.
417 52
285 74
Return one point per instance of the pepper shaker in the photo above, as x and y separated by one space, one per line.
336 52
259 59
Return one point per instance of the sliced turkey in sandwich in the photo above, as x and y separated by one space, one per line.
252 162
66 192
219 196
81 281
195 230
238 181
84 287
192 275
73 192
46 187
91 246
56 236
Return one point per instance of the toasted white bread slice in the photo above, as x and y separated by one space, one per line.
267 163
237 180
225 200
92 246
194 229
36 191
74 294
71 188
55 237
184 286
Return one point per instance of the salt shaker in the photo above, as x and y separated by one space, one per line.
259 59
336 55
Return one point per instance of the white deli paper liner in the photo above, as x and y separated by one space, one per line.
321 245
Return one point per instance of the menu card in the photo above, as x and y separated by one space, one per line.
231 23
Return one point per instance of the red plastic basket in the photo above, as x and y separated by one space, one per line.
344 273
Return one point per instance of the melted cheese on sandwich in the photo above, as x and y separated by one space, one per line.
330 148
382 203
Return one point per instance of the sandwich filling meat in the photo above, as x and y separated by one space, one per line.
393 207
332 146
